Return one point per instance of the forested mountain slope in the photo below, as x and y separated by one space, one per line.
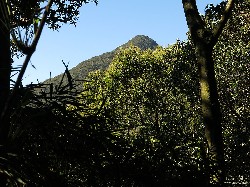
101 62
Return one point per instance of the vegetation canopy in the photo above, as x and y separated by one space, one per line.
134 116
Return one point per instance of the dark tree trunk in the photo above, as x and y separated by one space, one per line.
204 40
211 115
5 70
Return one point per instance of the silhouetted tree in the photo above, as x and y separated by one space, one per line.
29 17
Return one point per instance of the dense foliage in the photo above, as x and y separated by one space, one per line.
152 96
101 62
141 94
136 123
232 63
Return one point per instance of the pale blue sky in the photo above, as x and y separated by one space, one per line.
104 27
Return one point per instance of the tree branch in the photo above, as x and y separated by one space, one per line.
191 12
224 18
33 45
31 50
193 18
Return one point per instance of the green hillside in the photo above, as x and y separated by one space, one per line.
101 62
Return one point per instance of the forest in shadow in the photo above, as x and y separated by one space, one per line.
135 121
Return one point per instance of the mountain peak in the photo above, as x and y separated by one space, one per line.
141 41
102 62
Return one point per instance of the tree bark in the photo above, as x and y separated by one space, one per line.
211 116
5 69
204 40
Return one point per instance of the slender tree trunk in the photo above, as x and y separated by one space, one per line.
204 40
211 115
5 70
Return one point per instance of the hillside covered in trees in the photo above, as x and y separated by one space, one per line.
144 116
101 62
